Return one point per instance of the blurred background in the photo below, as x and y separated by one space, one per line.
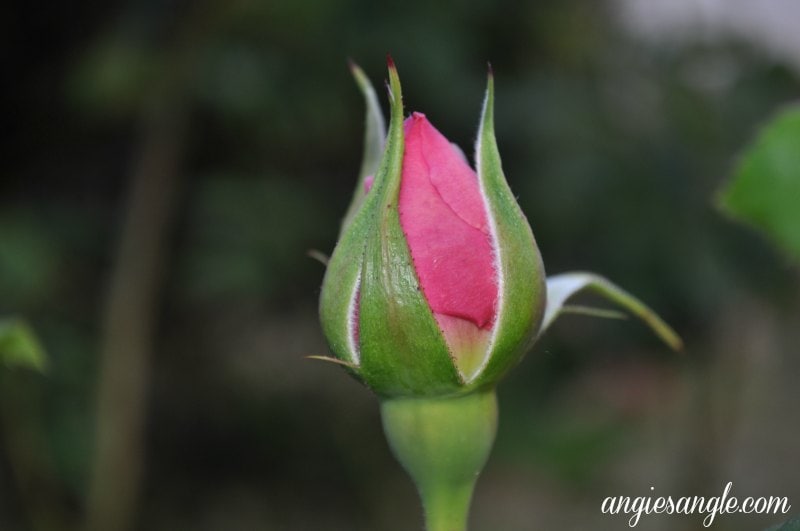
167 166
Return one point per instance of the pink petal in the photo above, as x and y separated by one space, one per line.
467 342
444 220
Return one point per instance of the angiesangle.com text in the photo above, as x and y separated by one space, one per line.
709 506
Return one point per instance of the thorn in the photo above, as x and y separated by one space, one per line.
490 69
318 256
332 360
390 62
351 64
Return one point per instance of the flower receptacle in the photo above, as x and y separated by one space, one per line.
443 443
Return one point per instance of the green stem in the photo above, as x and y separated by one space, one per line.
447 507
443 444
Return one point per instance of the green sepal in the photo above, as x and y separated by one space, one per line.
521 293
374 143
340 286
344 266
561 288
342 275
403 352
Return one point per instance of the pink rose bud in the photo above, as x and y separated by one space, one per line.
443 216
436 286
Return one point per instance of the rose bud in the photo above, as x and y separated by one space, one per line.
436 286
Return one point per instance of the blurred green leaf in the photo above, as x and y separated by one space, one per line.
765 190
19 346
791 525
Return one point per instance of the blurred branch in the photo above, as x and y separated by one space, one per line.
129 323
132 300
